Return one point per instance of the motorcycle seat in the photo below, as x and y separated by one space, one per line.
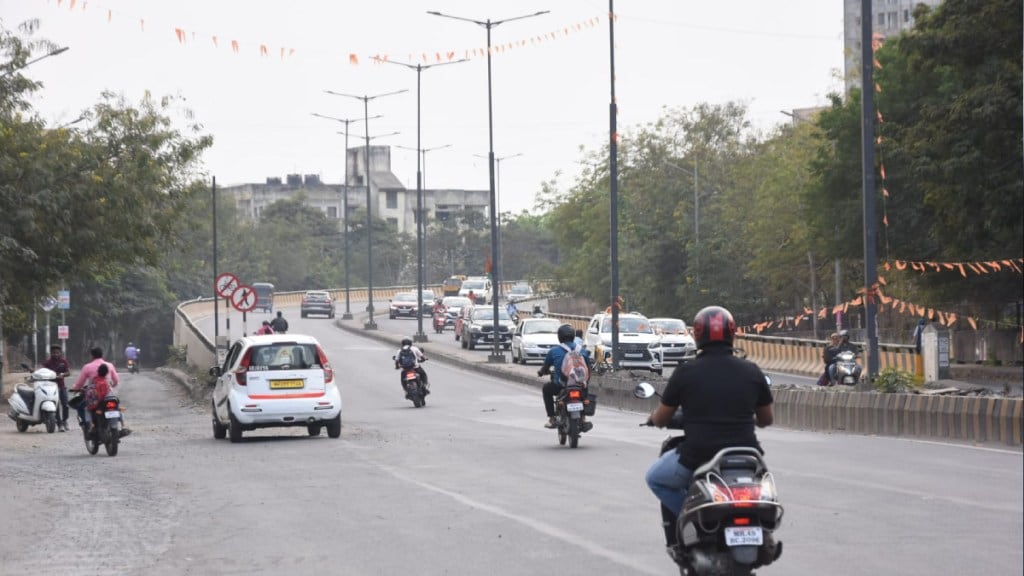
732 458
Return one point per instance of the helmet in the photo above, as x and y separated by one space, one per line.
566 334
406 342
844 335
130 344
713 325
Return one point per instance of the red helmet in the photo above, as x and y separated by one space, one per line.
713 324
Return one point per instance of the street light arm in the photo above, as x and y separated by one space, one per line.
346 120
374 137
487 23
60 50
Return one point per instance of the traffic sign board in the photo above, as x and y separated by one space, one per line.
243 298
64 299
62 332
226 284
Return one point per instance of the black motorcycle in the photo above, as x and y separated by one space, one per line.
572 406
731 511
108 424
415 389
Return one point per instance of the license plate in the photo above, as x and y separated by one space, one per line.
633 355
285 384
574 407
745 536
111 414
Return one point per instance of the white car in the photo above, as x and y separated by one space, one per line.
533 338
677 342
272 381
481 289
639 346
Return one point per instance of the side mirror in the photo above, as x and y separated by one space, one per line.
592 331
644 390
215 371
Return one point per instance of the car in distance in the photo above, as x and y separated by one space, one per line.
520 292
480 287
453 305
451 286
639 346
677 344
317 302
264 296
403 304
532 339
272 381
478 327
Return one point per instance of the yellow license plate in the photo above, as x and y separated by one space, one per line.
285 384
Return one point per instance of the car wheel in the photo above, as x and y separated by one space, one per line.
234 428
302 314
331 316
463 344
334 427
220 431
313 429
515 359
471 342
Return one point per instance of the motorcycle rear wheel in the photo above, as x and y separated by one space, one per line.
113 440
574 433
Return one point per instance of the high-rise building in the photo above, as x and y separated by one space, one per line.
888 17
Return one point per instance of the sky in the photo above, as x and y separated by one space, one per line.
550 84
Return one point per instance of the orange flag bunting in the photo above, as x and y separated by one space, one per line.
972 322
881 168
823 313
962 271
882 280
214 38
180 34
353 59
994 265
808 311
856 301
951 318
234 46
72 6
885 219
885 192
263 49
110 15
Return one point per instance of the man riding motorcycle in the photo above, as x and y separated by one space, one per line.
553 365
722 398
91 371
407 344
844 346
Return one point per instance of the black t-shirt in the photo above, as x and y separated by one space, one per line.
718 393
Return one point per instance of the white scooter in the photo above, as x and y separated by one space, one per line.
35 401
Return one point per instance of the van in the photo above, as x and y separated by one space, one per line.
480 287
264 296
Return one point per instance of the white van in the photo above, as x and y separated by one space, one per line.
639 345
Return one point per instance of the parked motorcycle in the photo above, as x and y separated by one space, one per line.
35 401
847 369
572 406
415 389
108 424
731 511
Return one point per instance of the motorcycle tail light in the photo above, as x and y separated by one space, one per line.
574 394
111 405
328 371
741 521
746 493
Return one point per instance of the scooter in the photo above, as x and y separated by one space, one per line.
731 512
415 390
35 401
847 370
440 321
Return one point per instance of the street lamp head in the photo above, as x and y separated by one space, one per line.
60 50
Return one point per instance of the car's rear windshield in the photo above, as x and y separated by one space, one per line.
474 285
455 302
641 325
543 327
284 356
323 296
520 290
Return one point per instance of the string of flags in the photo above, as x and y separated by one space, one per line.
266 49
979 268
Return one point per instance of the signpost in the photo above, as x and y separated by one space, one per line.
243 298
224 285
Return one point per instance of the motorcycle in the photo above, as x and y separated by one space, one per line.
415 389
572 406
440 321
731 511
847 370
108 424
35 401
133 366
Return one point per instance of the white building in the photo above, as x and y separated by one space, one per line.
888 17
391 201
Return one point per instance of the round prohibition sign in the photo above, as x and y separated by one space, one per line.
243 298
226 284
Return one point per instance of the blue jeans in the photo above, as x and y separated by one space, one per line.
669 480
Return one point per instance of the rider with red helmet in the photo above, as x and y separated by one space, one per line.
722 398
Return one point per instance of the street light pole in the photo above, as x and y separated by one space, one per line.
420 335
496 355
344 208
34 60
370 324
500 276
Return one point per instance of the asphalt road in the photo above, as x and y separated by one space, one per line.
470 484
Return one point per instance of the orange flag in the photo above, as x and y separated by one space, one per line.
972 322
951 318
180 34
215 45
900 265
234 46
856 301
353 59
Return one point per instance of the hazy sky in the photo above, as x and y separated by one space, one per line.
550 91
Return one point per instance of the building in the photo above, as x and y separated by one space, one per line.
392 202
888 17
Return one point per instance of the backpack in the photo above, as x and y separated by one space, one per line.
406 358
574 367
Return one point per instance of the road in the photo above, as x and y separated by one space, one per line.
472 483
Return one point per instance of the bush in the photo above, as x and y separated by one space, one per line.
893 380
177 356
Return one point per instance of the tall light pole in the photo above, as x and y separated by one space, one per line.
344 207
420 335
613 179
370 324
53 52
867 135
496 355
500 276
423 157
